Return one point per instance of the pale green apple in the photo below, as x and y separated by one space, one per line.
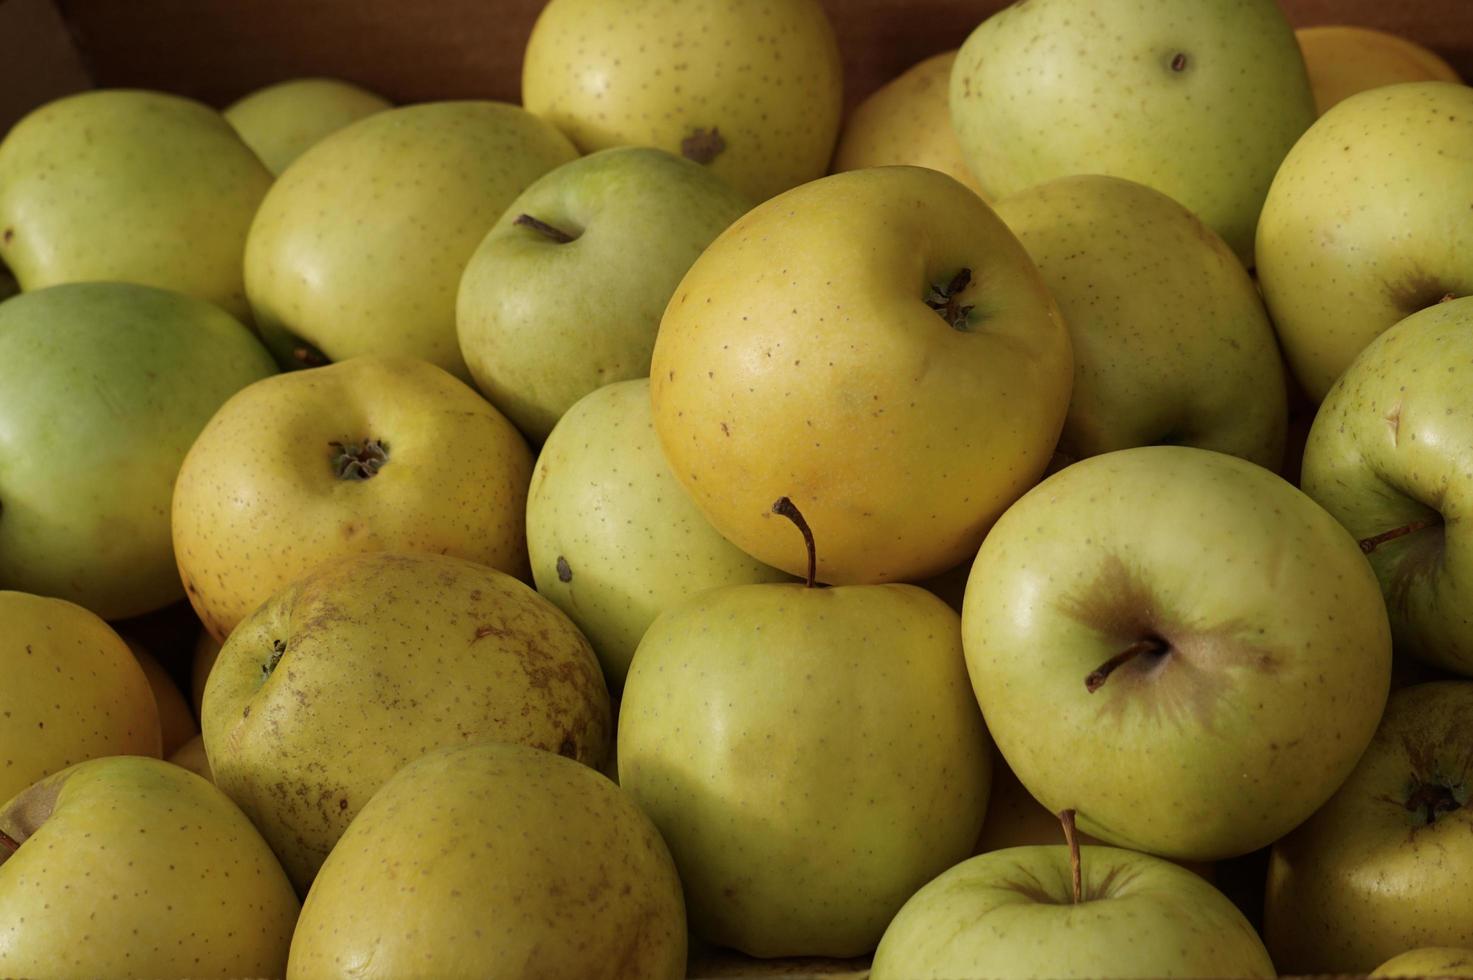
1180 646
358 248
1171 341
371 661
103 388
129 186
495 861
281 122
1367 222
133 867
877 346
1199 99
1390 454
751 88
613 538
1013 913
811 755
565 293
1429 961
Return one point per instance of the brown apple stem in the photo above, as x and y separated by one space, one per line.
788 509
556 234
308 356
359 460
8 845
1100 674
1071 838
943 298
1368 545
1433 800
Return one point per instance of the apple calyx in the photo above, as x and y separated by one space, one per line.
1076 870
278 649
1152 645
359 461
703 145
943 298
542 227
788 509
1368 545
1432 801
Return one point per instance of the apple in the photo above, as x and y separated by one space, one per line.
103 387
877 346
1209 648
1386 865
131 867
129 186
1429 961
1390 454
371 661
1199 99
176 720
1343 59
751 88
202 661
191 755
280 122
569 878
359 246
907 121
565 293
375 453
1337 274
1171 341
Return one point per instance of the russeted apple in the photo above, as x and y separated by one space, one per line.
878 347
281 122
1208 647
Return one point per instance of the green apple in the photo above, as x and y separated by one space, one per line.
811 755
1208 646
359 246
1387 864
132 867
129 186
1199 99
877 346
103 387
280 122
1171 341
562 876
612 537
1366 223
1429 961
565 293
371 454
1020 912
371 661
751 88
1390 454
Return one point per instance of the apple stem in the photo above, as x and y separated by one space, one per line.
1100 674
1433 800
788 509
9 845
1368 545
1071 838
943 299
556 234
308 356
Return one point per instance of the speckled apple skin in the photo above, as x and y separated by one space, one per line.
281 122
384 657
495 861
144 870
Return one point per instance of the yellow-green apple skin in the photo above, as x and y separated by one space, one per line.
542 321
1263 653
103 388
495 861
281 122
1429 961
811 755
337 681
800 357
176 720
358 247
72 691
1199 99
191 755
613 538
133 867
129 186
1011 913
206 650
1391 447
1387 864
1344 59
269 491
1171 341
907 121
751 88
1367 223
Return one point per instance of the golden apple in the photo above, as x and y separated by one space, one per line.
1343 60
176 720
281 122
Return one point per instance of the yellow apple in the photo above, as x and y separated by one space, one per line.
1343 60
206 649
1428 961
282 121
191 755
176 721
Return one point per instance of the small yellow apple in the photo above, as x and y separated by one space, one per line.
1343 60
1428 961
176 720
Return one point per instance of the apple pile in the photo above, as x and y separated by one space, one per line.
667 515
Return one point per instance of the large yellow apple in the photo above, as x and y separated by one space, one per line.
877 346
1343 59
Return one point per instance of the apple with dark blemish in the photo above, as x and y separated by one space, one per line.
1179 645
